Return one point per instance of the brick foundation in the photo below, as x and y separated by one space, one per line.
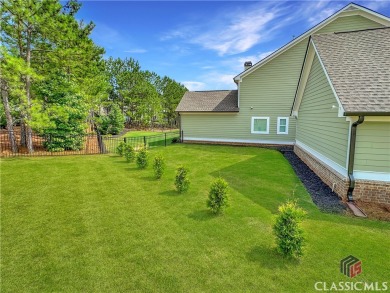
365 190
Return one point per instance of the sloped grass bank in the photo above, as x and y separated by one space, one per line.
98 224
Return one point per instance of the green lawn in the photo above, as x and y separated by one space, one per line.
138 133
98 224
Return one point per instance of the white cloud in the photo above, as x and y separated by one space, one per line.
236 64
194 85
239 36
324 13
231 32
217 80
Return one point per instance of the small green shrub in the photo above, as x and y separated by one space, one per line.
218 196
159 166
128 153
119 148
288 231
182 183
142 159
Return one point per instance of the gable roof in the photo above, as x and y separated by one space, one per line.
358 65
350 8
209 101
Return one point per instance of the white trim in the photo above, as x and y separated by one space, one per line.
259 141
307 64
238 95
278 125
325 160
376 118
253 124
380 19
372 176
341 109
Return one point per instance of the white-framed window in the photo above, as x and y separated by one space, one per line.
260 125
282 127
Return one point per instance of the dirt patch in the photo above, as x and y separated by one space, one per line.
378 211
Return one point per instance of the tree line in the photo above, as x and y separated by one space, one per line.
55 82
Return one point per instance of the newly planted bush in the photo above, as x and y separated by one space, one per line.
119 148
128 153
218 196
142 159
182 183
288 230
159 166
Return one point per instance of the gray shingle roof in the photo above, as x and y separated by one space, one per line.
209 101
358 65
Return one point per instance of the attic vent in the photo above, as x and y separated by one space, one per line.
247 65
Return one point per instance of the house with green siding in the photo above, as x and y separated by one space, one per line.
327 93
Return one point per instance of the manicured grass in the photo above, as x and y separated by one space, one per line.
136 133
98 224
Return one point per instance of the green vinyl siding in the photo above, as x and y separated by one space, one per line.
349 23
318 124
214 125
373 147
269 91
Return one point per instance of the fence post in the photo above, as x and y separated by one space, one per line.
165 139
101 144
144 142
181 136
125 139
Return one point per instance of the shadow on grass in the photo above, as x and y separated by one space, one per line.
171 192
203 215
265 179
269 258
150 179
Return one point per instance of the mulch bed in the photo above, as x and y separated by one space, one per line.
325 199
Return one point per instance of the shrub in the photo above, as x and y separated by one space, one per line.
116 120
182 183
159 166
218 196
120 148
142 159
113 123
128 152
288 231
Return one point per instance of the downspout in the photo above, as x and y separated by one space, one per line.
351 159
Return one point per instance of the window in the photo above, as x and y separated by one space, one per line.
282 125
260 125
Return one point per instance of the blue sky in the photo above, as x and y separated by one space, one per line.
204 44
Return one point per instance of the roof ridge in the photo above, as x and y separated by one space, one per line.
362 30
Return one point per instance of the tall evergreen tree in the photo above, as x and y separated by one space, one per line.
52 43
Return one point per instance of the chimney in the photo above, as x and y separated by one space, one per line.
247 65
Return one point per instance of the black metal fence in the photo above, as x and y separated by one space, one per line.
86 144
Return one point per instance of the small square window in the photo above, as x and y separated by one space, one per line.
260 125
282 125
